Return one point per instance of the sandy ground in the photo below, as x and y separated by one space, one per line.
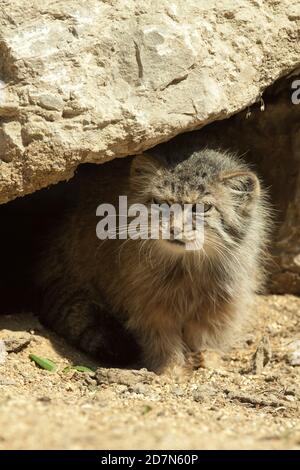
244 400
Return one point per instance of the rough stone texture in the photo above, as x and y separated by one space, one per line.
90 81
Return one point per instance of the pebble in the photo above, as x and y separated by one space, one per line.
51 102
70 387
198 396
293 357
123 377
15 344
140 388
262 355
177 391
44 399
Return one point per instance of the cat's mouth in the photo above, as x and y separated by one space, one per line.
181 245
176 245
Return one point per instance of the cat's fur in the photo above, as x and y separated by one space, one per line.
172 302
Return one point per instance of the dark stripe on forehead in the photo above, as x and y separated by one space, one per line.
236 233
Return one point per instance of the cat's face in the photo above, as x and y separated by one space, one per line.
220 193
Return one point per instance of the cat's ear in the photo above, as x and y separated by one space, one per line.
143 165
243 184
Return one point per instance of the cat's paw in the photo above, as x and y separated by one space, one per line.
177 373
195 360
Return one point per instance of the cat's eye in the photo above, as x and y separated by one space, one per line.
207 207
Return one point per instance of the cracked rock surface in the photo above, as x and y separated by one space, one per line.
91 81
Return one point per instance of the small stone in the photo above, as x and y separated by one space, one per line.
290 391
290 398
262 355
51 102
123 376
44 399
293 357
16 344
177 391
70 387
198 396
271 378
140 388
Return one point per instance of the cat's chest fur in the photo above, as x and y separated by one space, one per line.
174 291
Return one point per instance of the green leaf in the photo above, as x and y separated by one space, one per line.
46 364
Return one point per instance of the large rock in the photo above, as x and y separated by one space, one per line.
90 81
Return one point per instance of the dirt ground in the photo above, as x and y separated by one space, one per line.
248 399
